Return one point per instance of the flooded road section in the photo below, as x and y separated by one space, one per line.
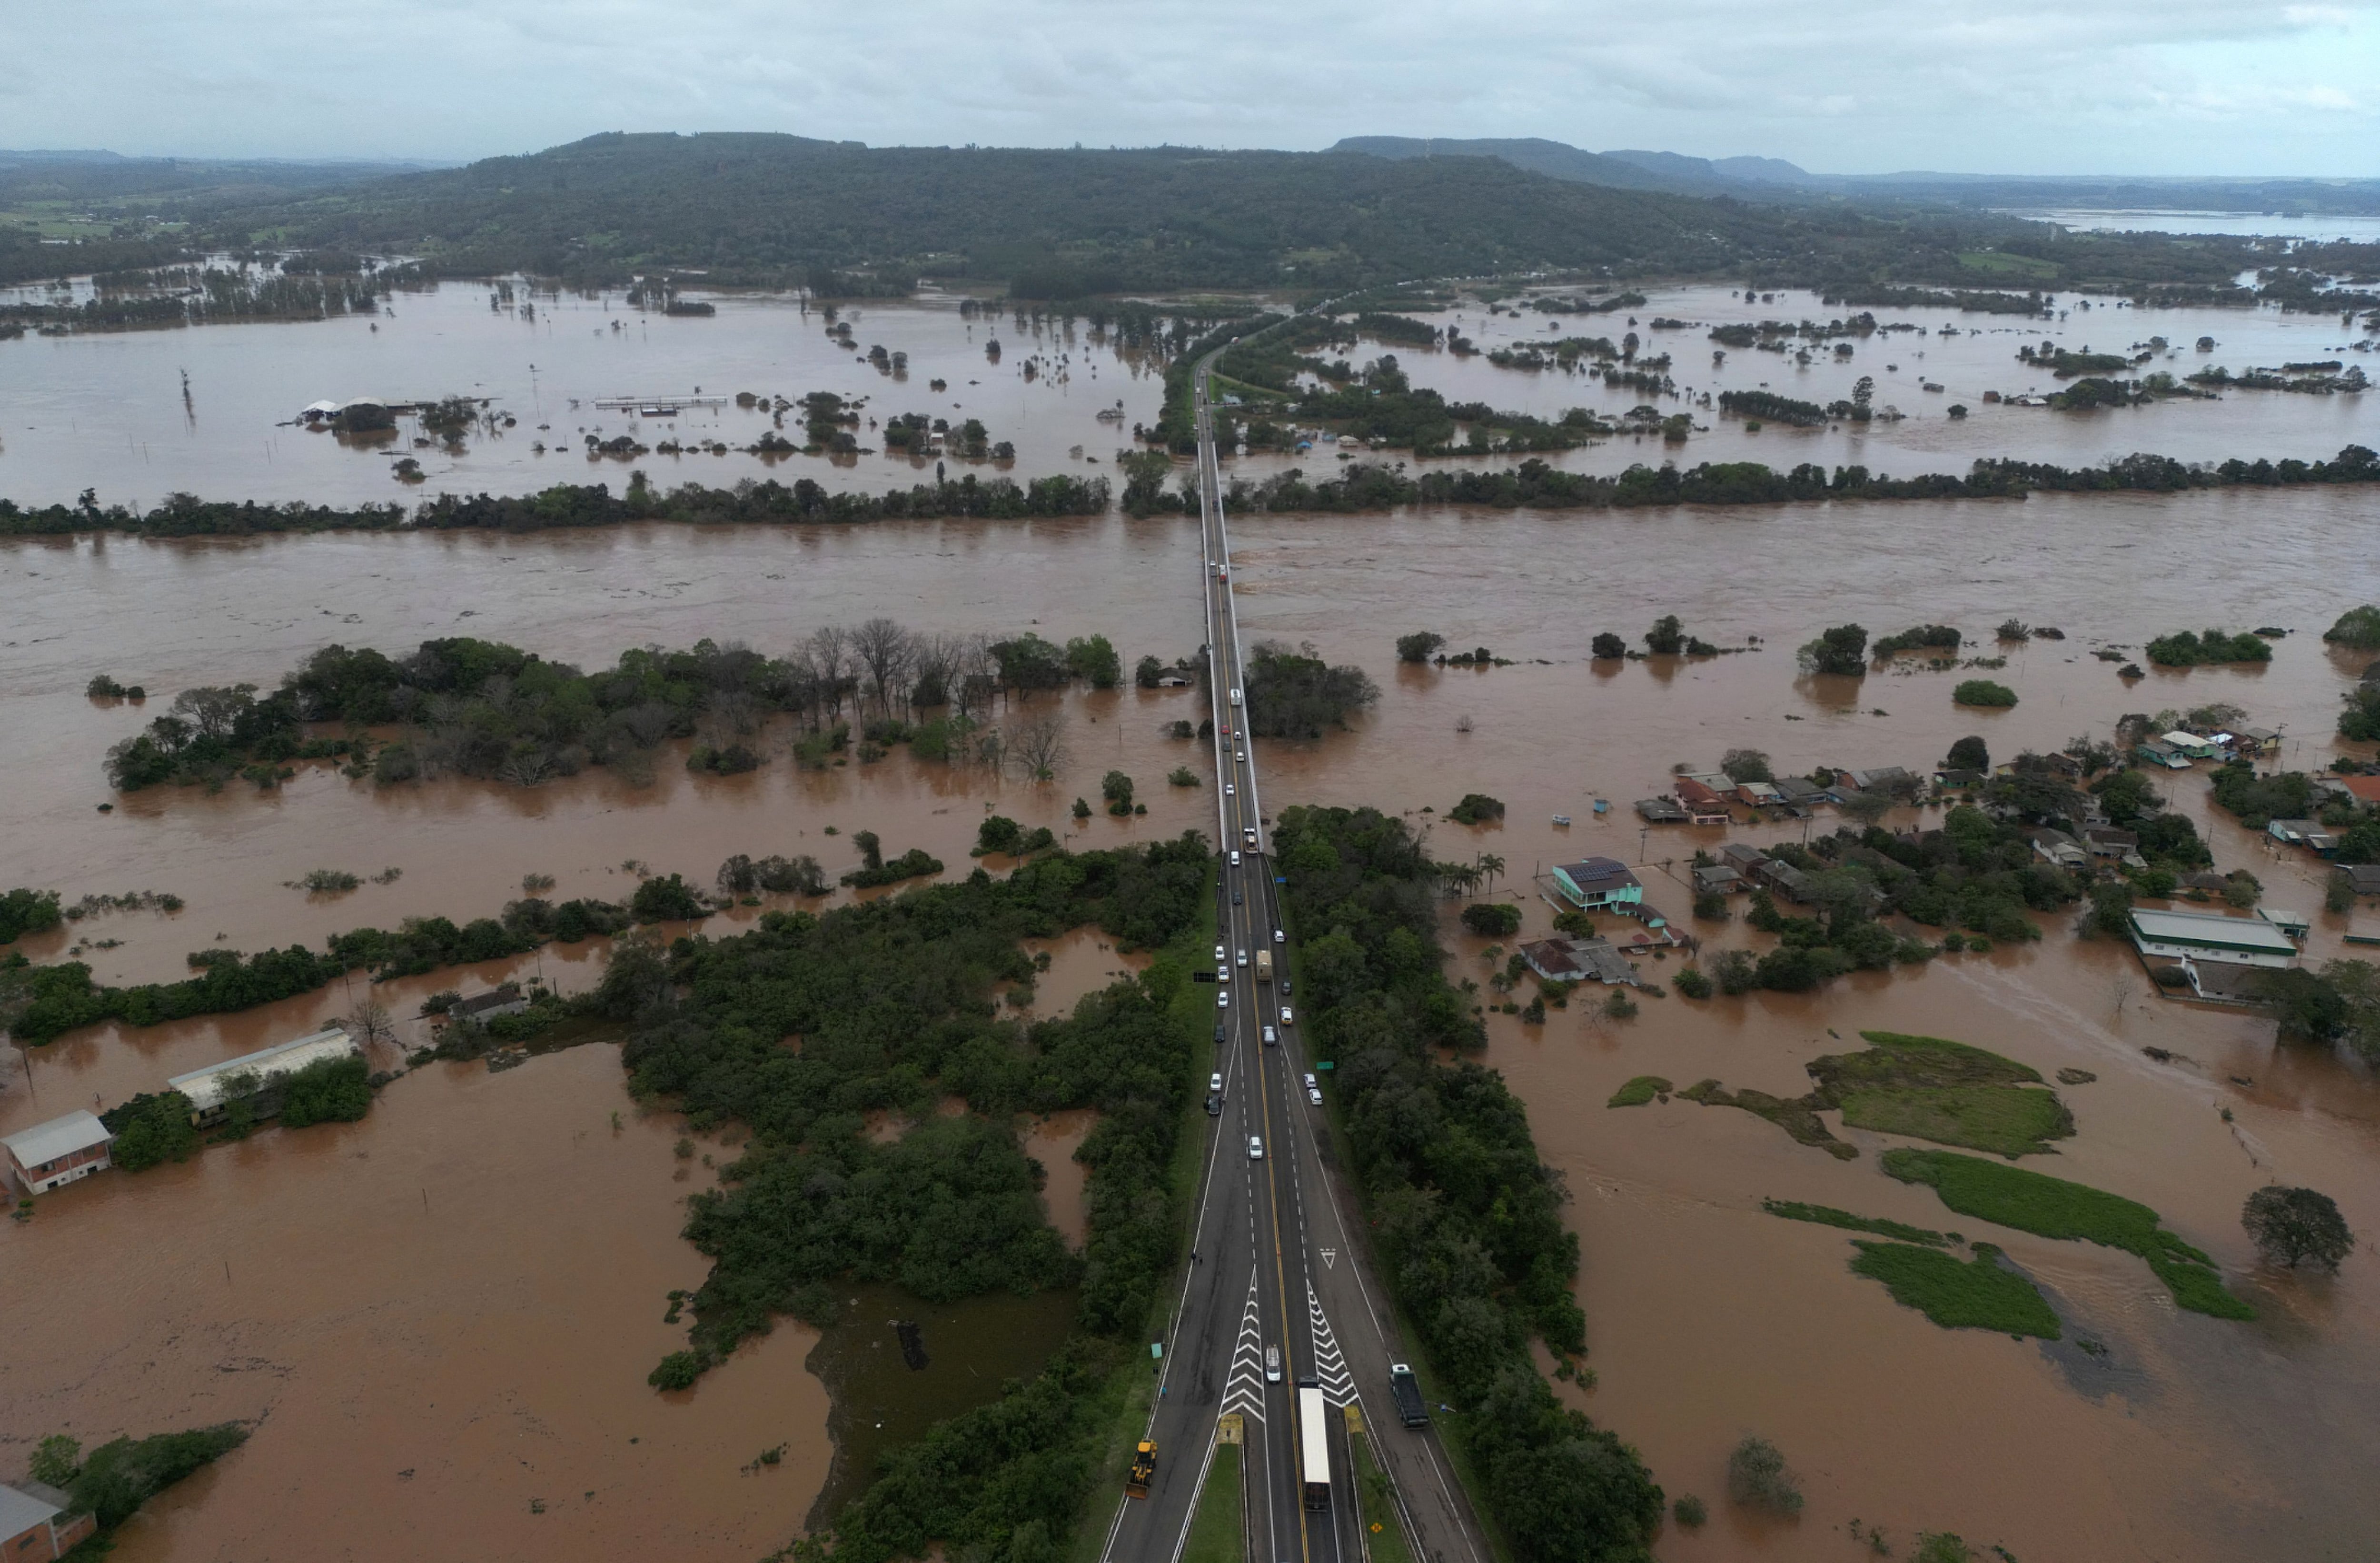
108 410
440 1318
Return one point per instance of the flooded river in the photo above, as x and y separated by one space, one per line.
378 1339
209 410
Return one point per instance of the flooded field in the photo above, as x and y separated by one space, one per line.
108 412
440 1319
432 1344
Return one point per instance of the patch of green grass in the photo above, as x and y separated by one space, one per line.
1828 1215
1216 1533
1976 1295
2000 264
2052 1207
1384 1539
1638 1091
1796 1116
2009 1121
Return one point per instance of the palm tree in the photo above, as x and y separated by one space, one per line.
1490 865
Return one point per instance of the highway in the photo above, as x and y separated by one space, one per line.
1276 1268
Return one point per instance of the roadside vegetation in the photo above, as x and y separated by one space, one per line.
1466 1217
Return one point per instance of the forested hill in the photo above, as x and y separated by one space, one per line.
1049 224
771 207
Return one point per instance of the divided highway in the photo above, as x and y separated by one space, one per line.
1280 1298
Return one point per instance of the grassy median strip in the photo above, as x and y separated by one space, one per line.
1376 1506
1975 1295
1217 1534
2051 1207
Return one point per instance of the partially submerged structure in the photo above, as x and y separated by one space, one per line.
50 1154
213 1090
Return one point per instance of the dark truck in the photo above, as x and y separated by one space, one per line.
1406 1392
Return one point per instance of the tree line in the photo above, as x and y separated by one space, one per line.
481 708
1465 1214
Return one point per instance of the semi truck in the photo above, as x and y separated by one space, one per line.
1144 1470
1405 1390
1264 966
1313 1447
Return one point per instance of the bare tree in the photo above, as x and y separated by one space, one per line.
730 714
368 1021
887 651
1038 744
936 672
830 649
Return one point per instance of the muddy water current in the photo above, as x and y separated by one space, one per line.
392 1339
114 412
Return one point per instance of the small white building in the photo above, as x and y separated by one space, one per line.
61 1151
211 1089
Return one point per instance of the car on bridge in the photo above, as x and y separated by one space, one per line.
1256 1147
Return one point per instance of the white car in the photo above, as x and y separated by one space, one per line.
1222 973
1313 1094
1286 1019
1256 1147
1218 952
1235 697
1309 1081
1235 857
1215 1082
1243 959
1272 1365
1280 937
1223 999
1231 791
1272 1037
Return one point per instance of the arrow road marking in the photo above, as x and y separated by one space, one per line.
1244 1390
1329 1368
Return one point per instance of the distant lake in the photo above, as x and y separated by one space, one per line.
2363 230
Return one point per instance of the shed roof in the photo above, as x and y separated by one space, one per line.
205 1087
21 1510
78 1130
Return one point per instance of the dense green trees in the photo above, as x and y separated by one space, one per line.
1982 692
1417 646
892 1000
2190 649
26 911
1292 693
1841 651
1493 920
1466 1218
2357 629
64 998
2296 1226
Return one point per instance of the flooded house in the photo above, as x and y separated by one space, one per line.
2059 849
38 1523
1564 958
1597 883
2312 834
49 1155
1704 803
1714 879
482 1007
1661 811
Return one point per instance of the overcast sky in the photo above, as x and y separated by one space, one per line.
1855 86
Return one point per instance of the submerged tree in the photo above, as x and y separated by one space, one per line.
2297 1226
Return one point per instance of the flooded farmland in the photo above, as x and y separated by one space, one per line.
428 1344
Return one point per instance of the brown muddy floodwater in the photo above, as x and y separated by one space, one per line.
108 412
2194 1438
440 1319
